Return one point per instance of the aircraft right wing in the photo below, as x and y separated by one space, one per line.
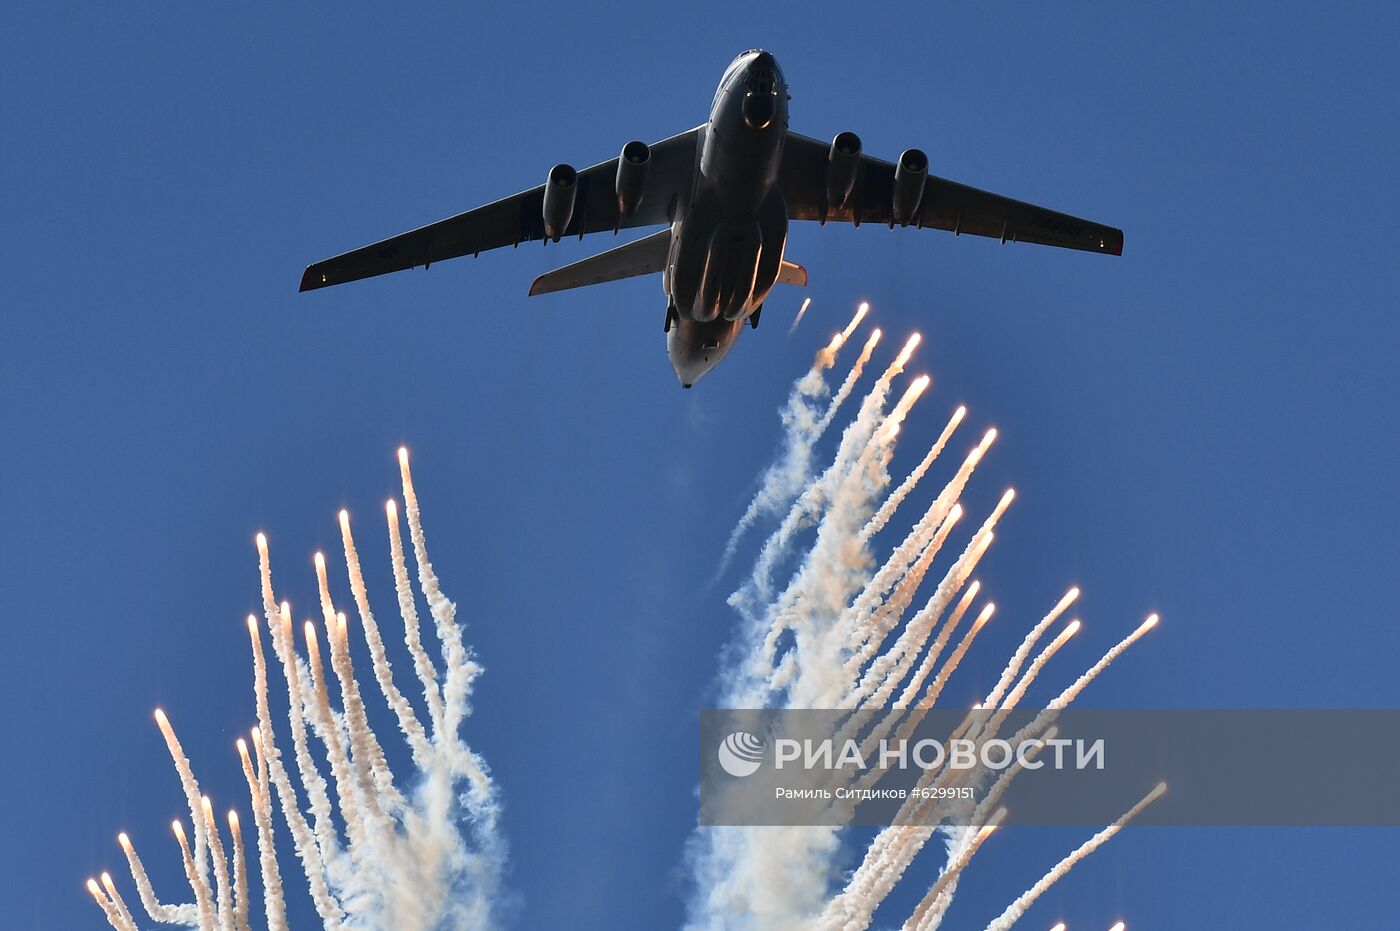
519 218
945 205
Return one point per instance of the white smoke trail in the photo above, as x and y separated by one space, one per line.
908 722
889 865
317 845
1018 908
861 310
200 856
890 669
801 312
822 641
408 610
383 672
240 875
844 392
861 642
803 424
935 687
836 566
1069 694
223 900
926 908
164 914
109 908
896 846
886 616
1043 657
350 790
821 494
777 867
835 570
376 784
274 905
275 773
896 498
935 648
324 851
929 914
767 878
1013 665
127 919
425 859
371 767
461 668
207 921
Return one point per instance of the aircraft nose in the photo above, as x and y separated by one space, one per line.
696 348
761 94
690 367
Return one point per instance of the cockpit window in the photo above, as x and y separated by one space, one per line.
760 80
761 83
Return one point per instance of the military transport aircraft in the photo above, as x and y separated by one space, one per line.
726 191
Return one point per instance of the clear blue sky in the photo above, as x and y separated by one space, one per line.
1206 427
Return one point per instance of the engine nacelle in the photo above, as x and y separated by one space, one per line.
560 189
909 176
631 182
841 168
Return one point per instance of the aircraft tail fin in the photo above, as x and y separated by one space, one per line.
792 273
642 257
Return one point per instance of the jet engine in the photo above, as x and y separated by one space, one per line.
631 182
909 175
841 168
560 188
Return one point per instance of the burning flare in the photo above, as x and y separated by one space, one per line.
842 632
431 859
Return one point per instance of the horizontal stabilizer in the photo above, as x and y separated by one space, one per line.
642 257
792 273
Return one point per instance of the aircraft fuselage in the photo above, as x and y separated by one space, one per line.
727 242
719 197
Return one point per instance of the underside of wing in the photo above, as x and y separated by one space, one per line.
943 204
644 257
668 175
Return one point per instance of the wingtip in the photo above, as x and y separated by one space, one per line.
307 282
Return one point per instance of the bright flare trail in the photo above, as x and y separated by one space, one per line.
419 854
422 851
1018 908
801 312
838 633
805 418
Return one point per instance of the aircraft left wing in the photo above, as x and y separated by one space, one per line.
519 218
945 205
